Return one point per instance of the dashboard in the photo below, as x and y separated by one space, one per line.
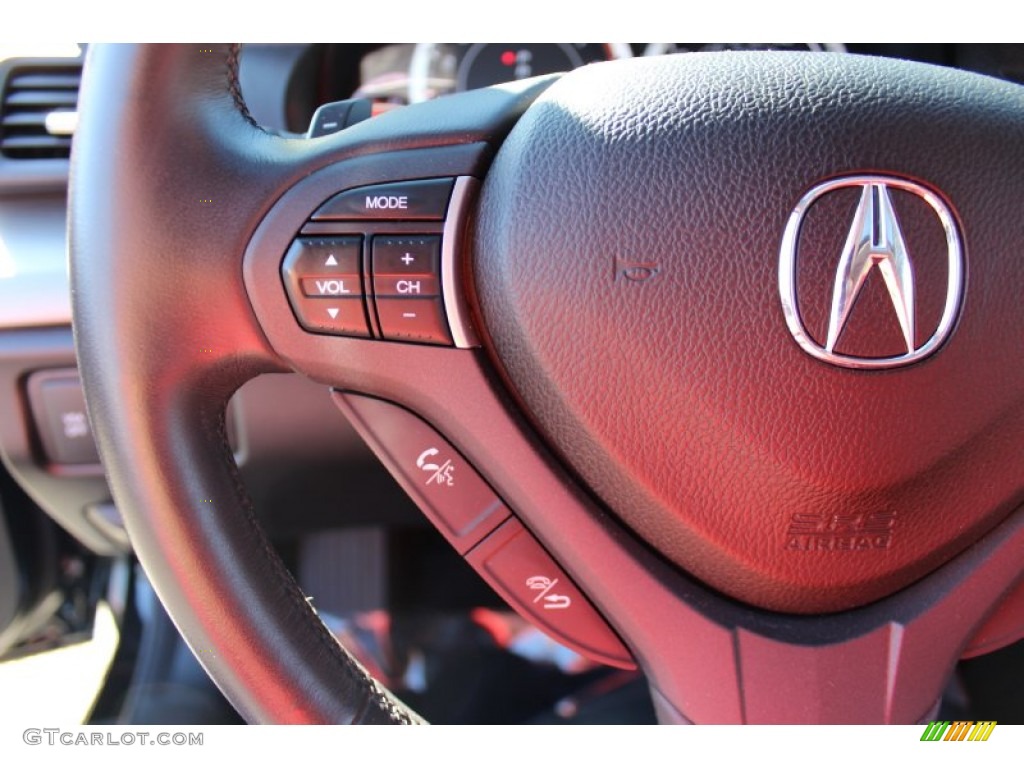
284 84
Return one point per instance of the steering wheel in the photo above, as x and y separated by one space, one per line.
728 345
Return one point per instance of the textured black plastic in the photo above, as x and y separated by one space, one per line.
627 257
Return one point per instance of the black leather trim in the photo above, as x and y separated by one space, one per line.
164 336
235 85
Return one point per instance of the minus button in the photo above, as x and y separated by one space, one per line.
419 320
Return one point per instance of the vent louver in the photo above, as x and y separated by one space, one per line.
37 116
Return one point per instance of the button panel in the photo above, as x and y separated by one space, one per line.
472 517
353 255
407 288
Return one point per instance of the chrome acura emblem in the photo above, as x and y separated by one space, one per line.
875 240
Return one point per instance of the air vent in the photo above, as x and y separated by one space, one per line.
38 114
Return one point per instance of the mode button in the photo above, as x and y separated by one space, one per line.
421 200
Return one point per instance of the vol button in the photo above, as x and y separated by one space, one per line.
331 286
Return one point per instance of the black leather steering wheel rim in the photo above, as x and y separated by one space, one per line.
172 183
167 114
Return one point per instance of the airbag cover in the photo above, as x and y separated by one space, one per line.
626 264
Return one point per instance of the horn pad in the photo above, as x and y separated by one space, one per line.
626 263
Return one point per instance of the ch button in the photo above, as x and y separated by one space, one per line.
407 288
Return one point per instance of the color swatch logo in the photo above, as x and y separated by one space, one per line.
958 730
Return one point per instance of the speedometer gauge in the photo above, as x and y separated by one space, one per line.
439 68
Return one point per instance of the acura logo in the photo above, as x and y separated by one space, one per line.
875 241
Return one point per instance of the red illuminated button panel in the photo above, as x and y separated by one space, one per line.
369 264
475 521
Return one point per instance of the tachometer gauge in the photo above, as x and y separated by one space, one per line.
439 68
